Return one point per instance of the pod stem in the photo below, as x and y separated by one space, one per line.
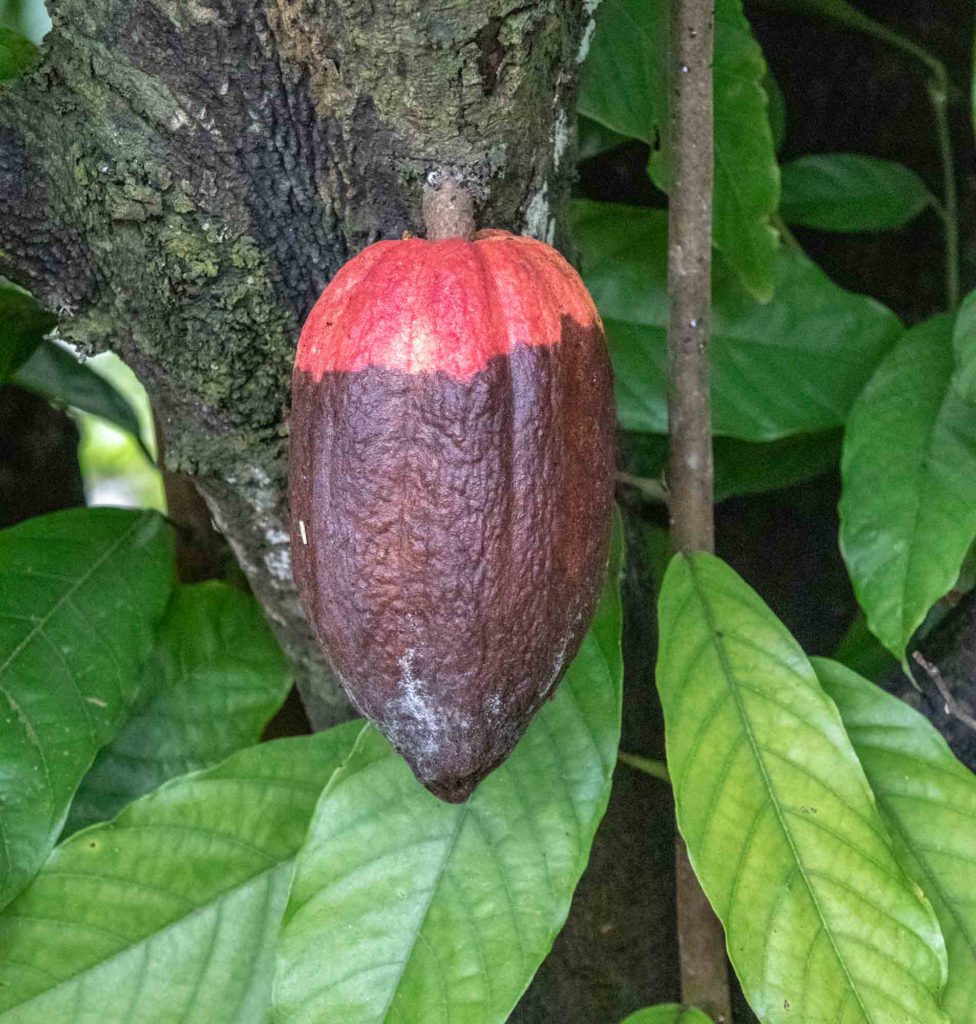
448 211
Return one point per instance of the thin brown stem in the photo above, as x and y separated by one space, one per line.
689 277
952 706
701 942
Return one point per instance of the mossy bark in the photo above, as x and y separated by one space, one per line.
180 178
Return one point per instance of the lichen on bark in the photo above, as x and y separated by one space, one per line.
179 179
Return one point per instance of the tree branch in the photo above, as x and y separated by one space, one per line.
180 181
945 688
704 973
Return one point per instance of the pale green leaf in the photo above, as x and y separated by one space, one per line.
215 677
850 192
964 343
625 88
669 1013
821 920
792 366
169 912
404 908
928 801
80 593
908 503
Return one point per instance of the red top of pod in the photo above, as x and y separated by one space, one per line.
449 305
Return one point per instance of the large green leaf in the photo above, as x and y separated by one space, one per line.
908 504
169 912
821 920
669 1013
215 677
56 374
23 325
80 592
404 908
792 366
928 801
625 88
850 192
964 342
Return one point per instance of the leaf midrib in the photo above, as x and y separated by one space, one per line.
149 936
767 781
449 850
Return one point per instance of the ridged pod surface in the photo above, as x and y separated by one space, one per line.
452 461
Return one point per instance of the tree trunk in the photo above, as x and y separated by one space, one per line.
180 178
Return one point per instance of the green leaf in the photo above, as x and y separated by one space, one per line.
849 192
169 912
777 110
80 592
742 467
17 54
214 679
56 374
928 801
792 366
859 650
404 908
964 343
595 138
670 1013
625 88
908 503
23 325
822 922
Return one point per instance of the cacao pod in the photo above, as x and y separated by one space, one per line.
451 466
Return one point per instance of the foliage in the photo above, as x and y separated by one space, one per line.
928 801
214 678
57 374
780 822
17 54
847 192
81 593
908 507
399 900
169 912
625 89
669 1014
794 365
23 324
